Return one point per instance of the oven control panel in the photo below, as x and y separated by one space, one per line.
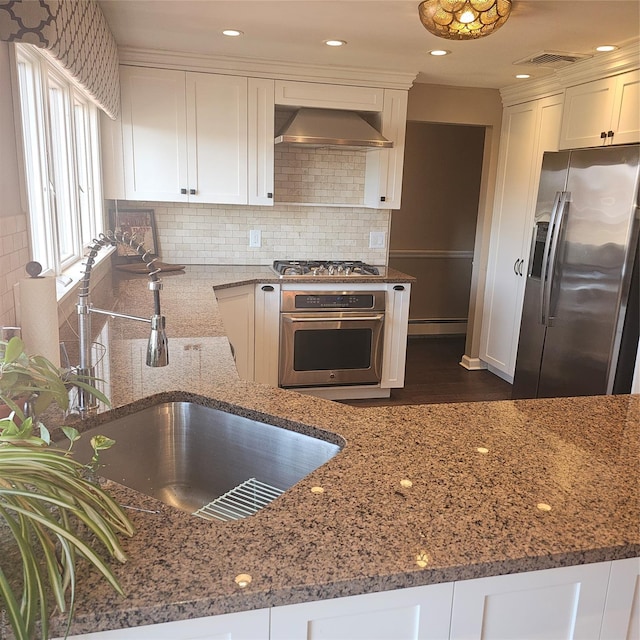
333 300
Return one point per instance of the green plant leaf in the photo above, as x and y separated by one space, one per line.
15 347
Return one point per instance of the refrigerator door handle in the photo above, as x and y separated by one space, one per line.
545 257
563 203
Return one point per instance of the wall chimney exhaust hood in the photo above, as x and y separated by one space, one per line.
329 128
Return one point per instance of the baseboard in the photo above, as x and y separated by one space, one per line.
472 364
435 328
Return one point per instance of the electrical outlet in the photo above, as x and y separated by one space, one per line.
255 238
376 239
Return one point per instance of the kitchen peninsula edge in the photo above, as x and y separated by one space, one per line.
478 473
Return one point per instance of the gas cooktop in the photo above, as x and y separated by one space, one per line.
324 268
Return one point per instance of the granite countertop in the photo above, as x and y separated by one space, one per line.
478 473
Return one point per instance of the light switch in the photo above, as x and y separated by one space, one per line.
377 240
255 238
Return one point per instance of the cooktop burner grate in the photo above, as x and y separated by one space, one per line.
324 268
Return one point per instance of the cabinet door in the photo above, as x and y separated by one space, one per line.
328 96
261 133
217 138
556 604
587 114
384 167
528 131
267 333
420 613
395 335
247 625
625 120
622 609
154 134
112 158
236 307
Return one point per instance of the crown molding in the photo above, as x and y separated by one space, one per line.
259 68
600 66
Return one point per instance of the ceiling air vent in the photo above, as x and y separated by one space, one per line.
553 58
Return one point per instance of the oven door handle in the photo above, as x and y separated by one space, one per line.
349 318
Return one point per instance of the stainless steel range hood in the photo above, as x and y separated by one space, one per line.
328 128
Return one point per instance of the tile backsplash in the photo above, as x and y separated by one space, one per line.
14 255
219 234
320 175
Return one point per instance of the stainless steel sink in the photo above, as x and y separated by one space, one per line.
190 456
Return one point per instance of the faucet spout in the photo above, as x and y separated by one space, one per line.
157 348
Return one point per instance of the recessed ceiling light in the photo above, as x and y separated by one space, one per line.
439 52
606 47
523 76
334 43
232 32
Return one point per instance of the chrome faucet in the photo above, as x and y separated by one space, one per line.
157 348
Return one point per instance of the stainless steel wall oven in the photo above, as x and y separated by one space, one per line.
331 338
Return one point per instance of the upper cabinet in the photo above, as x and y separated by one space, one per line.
186 137
605 111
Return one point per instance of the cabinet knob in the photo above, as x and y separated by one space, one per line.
520 267
383 198
267 287
192 192
269 195
398 287
603 135
515 266
183 191
609 134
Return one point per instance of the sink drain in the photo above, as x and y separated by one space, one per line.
240 502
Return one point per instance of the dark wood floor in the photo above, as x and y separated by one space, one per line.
434 375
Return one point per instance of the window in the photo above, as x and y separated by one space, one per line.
60 132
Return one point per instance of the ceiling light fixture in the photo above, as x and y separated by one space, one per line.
522 76
232 32
463 19
439 52
606 47
334 43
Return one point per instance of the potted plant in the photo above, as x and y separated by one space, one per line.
51 512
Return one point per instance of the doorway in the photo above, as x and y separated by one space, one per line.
433 234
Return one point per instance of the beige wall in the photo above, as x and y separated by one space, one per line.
14 241
433 234
483 107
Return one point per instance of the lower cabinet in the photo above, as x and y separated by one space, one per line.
598 601
246 625
236 306
419 613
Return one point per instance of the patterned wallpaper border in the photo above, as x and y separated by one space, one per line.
75 33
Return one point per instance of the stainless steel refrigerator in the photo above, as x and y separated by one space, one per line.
579 330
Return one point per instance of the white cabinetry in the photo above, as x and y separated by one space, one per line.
236 307
267 333
622 610
419 613
246 625
395 335
251 317
260 140
184 136
528 130
555 604
383 176
605 111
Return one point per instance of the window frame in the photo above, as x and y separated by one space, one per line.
63 212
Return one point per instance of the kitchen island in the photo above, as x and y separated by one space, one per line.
419 495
